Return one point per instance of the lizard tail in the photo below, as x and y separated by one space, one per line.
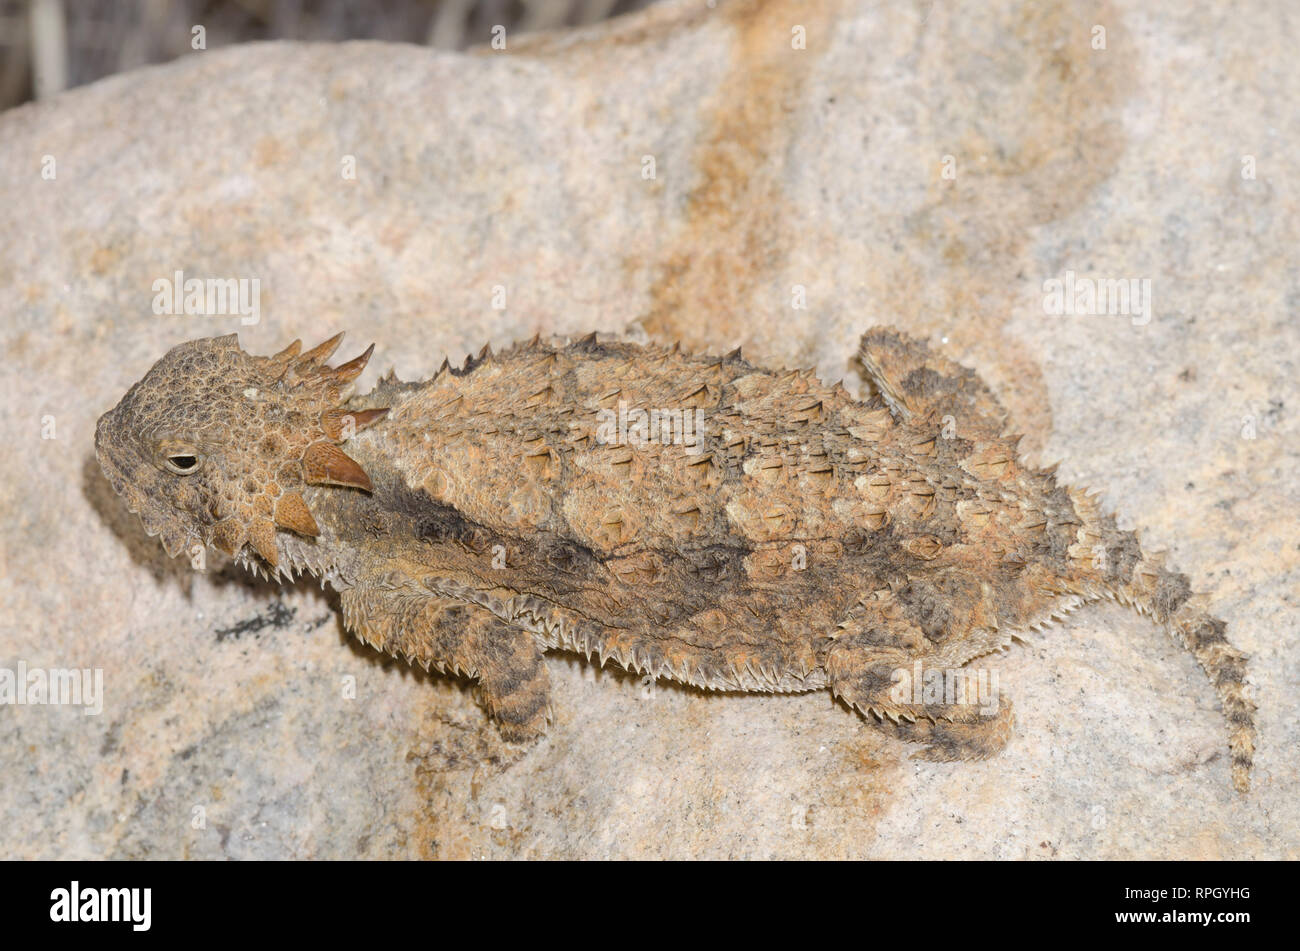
1202 634
1140 579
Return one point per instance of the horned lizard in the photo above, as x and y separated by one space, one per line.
696 518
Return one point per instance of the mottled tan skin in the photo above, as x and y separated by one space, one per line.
811 540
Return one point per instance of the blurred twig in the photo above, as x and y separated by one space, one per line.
49 45
49 32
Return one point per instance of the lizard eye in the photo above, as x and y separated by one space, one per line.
182 464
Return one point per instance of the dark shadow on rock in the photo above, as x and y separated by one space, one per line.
145 552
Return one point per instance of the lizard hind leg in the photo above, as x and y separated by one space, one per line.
456 637
878 663
916 382
970 740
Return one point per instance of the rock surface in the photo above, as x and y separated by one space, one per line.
920 166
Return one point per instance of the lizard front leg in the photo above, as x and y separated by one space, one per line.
455 636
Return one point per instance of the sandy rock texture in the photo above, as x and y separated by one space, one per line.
930 165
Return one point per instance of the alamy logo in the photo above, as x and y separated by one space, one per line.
57 686
1106 297
637 427
213 297
946 685
103 904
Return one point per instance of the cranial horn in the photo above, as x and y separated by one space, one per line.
291 512
262 538
326 464
323 351
347 372
288 353
335 422
228 535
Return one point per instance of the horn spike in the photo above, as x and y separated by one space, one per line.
291 512
368 417
347 372
262 537
326 464
334 423
322 351
228 536
289 352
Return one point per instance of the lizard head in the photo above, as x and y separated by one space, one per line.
214 445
